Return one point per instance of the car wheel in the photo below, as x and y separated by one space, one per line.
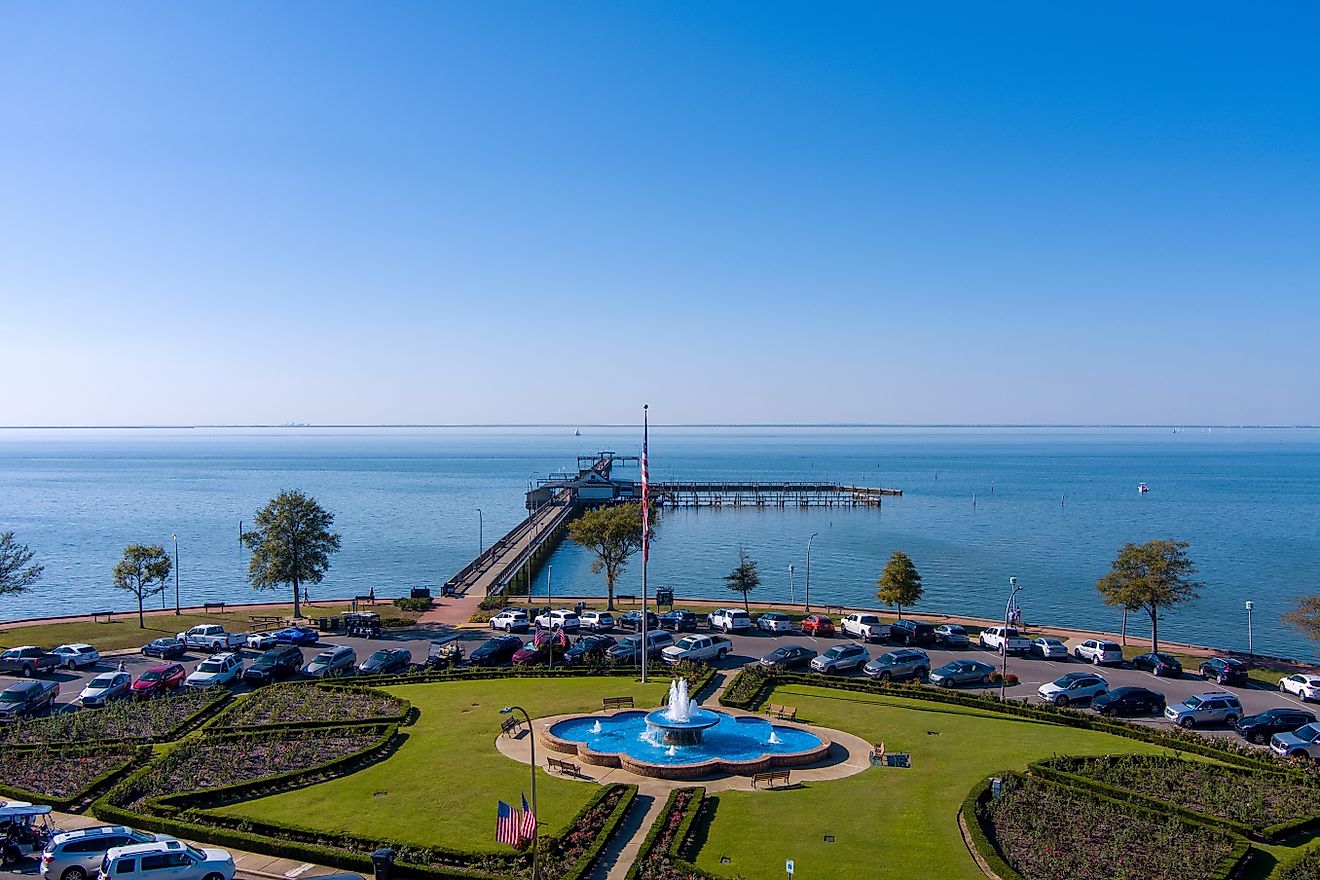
922 672
9 856
721 654
1230 720
884 676
71 666
1257 738
1187 722
985 679
74 873
1221 680
1298 754
1061 700
27 671
214 876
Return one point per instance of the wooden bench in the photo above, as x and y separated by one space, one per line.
563 766
783 713
209 605
616 703
771 780
96 615
511 726
269 620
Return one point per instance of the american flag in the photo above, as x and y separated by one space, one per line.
528 829
646 494
509 825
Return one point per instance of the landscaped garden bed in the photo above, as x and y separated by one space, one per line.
660 856
61 776
299 705
1046 831
155 720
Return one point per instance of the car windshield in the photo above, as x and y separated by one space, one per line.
685 644
195 853
836 651
379 657
1050 642
953 629
1192 702
886 658
10 697
324 657
102 681
1164 658
151 675
211 666
1310 731
631 641
1110 646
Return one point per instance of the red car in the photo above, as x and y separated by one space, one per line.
818 625
530 655
159 679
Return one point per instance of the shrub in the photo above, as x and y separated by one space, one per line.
1305 868
297 704
406 603
158 719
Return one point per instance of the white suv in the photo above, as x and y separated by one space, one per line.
511 620
77 656
166 858
729 619
562 618
597 621
1099 652
1075 687
866 627
215 670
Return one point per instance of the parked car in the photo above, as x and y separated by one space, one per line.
105 687
304 636
281 661
1224 670
216 670
1003 638
1261 727
903 663
27 698
1304 742
911 632
261 641
561 618
702 649
1129 701
495 651
817 625
532 654
165 649
1303 686
961 672
77 656
629 648
789 657
1048 648
866 627
386 661
334 660
951 635
159 679
597 621
167 858
511 620
1203 709
212 637
774 622
679 620
75 855
1099 652
730 620
840 658
1074 687
632 620
589 648
27 661
1158 664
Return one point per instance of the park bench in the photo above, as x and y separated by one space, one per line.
616 703
783 713
770 780
267 620
511 726
563 766
209 605
96 615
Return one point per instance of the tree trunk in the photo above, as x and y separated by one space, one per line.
297 607
746 607
900 610
609 587
1154 613
142 621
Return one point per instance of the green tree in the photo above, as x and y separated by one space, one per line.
1305 617
291 543
612 533
744 578
17 570
143 572
899 584
1151 576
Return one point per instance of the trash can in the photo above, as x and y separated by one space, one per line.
421 593
382 863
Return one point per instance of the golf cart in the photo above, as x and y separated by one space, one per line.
365 624
442 655
24 831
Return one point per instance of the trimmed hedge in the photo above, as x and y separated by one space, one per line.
587 861
673 866
1305 868
226 721
184 726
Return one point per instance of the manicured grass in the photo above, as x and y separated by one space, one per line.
123 631
887 822
442 785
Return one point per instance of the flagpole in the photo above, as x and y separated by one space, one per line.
646 537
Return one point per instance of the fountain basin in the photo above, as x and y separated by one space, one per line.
742 745
684 731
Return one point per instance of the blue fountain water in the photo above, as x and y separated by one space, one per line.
734 739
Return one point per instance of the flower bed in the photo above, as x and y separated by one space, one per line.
660 855
1045 831
1253 800
157 719
299 704
60 776
1305 868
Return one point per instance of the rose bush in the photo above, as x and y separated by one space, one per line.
121 719
296 703
60 773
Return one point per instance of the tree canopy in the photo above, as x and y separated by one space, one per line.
612 533
899 584
1152 577
143 572
744 578
17 570
1305 617
291 543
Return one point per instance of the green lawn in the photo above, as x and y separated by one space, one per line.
442 785
887 822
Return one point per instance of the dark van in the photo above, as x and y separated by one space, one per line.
912 632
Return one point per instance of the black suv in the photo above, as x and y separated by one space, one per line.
912 632
27 698
679 620
588 648
633 621
281 661
1259 728
1224 670
495 651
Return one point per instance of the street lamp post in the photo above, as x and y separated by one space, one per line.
790 584
806 595
1003 638
1250 605
481 538
531 739
175 539
548 601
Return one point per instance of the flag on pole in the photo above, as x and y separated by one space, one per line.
508 826
646 494
528 829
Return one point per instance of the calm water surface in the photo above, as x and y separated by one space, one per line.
1051 507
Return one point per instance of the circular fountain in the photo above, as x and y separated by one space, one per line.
681 722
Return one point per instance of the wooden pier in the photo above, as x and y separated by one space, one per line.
726 494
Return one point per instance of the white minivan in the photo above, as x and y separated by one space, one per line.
166 860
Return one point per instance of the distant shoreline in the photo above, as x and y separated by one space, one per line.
613 425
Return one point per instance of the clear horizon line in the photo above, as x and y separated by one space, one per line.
579 425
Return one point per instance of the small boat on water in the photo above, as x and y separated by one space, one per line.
1142 488
577 433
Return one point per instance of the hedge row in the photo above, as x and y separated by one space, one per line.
1305 868
178 731
482 673
673 865
584 865
224 721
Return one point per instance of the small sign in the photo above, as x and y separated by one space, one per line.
829 838
788 866
995 785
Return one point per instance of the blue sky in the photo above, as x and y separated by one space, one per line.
439 213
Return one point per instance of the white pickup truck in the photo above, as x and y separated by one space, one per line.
866 627
1005 639
699 648
212 637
